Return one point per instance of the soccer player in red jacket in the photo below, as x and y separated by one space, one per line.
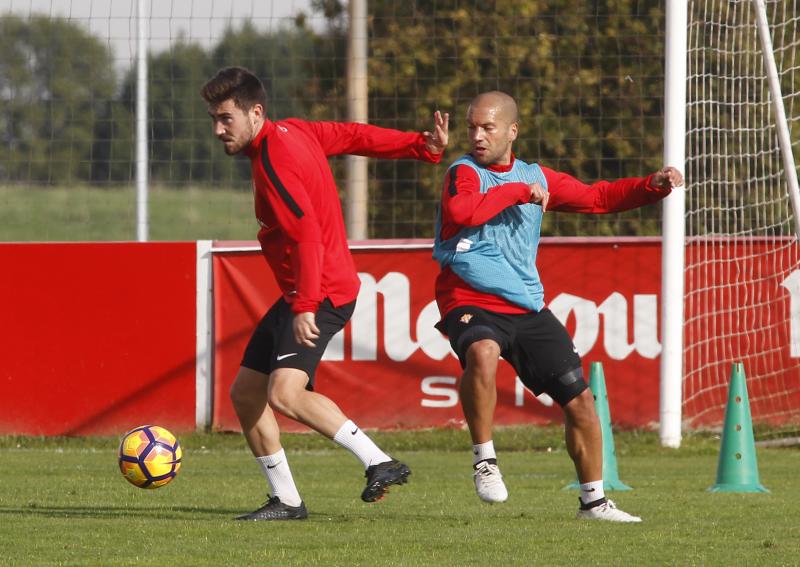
491 298
303 239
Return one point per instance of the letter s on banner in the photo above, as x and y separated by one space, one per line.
431 387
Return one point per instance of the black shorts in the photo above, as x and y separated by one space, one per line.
272 344
536 344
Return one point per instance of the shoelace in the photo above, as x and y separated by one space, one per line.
614 511
490 474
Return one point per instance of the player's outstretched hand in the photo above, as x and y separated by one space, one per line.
539 195
305 328
667 178
436 141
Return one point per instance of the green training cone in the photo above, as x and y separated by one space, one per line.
597 384
737 470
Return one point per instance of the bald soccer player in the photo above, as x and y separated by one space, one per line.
491 298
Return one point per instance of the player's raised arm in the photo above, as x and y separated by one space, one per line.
337 138
572 195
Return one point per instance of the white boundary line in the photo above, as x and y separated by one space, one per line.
236 249
428 245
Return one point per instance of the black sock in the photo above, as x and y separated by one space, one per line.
592 504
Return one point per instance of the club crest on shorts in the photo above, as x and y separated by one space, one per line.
465 318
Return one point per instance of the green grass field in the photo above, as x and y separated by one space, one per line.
63 502
82 214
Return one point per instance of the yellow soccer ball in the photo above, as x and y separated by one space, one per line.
149 456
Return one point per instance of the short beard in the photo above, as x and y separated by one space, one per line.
251 136
232 152
484 160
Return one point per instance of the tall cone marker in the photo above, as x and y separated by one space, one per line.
737 470
597 384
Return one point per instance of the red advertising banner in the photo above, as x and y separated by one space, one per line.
391 369
97 338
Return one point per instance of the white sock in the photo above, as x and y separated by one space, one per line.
591 491
279 476
483 451
356 441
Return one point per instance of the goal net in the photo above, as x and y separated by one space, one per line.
742 274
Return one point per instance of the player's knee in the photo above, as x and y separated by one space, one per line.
242 395
482 356
287 387
571 392
280 399
283 396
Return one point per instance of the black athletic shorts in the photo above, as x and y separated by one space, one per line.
536 344
272 344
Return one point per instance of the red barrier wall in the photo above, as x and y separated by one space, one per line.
403 375
96 338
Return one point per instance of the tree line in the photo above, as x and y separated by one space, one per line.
588 76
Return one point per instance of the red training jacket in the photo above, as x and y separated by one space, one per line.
467 206
302 233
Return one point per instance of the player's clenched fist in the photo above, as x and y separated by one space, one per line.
305 329
667 178
539 195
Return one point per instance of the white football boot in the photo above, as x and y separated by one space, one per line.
489 483
607 511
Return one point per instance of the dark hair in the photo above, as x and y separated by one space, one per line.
235 83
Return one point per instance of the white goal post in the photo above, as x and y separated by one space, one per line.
781 125
672 253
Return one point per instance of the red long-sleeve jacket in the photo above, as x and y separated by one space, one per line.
463 204
302 233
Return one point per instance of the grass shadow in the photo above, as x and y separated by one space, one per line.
112 512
